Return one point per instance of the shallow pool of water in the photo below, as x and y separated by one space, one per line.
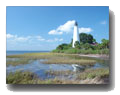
39 68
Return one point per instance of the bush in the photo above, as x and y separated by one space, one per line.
84 47
104 51
56 51
71 51
77 45
82 51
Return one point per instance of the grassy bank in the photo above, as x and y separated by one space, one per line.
20 78
92 73
88 73
53 58
88 76
70 61
18 62
80 51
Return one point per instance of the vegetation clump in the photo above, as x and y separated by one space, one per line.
70 61
52 58
92 73
87 45
89 75
20 78
18 62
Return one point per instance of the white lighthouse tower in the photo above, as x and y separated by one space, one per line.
75 35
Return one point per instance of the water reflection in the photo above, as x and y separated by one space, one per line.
39 68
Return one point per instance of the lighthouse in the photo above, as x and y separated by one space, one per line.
75 34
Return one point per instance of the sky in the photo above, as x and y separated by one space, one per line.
44 28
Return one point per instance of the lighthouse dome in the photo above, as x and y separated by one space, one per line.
76 24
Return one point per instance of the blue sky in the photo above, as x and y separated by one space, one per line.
44 28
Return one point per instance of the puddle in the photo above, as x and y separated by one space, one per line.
39 68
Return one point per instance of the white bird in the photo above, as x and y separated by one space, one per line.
77 67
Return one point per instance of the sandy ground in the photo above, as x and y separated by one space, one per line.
103 56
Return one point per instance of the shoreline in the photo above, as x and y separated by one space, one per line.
102 56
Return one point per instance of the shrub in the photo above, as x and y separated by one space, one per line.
70 51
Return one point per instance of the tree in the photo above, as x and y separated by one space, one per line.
60 47
86 38
89 39
63 46
94 41
71 41
77 45
105 43
83 37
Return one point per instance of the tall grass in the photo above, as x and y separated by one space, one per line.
70 61
53 58
18 62
92 73
29 78
20 78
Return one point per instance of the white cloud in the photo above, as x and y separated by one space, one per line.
85 30
49 40
68 27
9 36
54 40
61 39
65 28
54 32
103 22
21 39
15 38
40 38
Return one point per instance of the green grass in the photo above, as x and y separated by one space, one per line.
56 73
87 74
92 73
29 78
18 62
42 55
53 58
36 55
20 78
82 51
70 61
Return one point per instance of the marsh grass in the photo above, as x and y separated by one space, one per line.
55 58
20 78
56 73
29 78
18 62
32 55
70 61
92 73
87 74
88 77
44 55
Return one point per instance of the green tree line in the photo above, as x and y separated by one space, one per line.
87 45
